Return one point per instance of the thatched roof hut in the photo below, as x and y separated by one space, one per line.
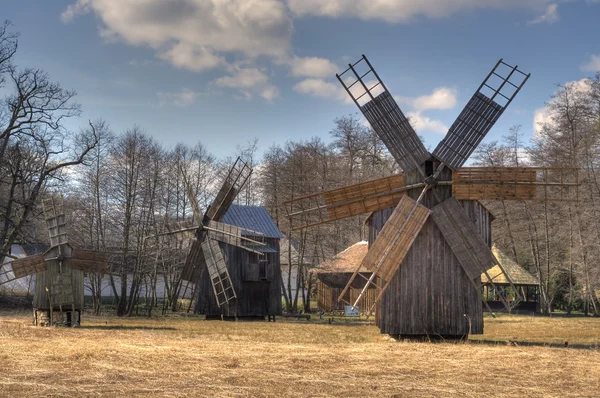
523 280
514 272
333 275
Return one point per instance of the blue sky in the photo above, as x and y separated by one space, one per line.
225 71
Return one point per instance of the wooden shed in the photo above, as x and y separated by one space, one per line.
527 284
333 275
431 293
256 278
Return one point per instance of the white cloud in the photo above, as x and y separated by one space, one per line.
269 93
247 81
423 123
194 34
191 57
74 10
243 78
542 116
313 67
441 98
584 85
182 98
321 88
593 65
400 10
549 16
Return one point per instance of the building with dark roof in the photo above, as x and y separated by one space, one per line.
256 278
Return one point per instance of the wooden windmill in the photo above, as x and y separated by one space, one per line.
427 269
205 252
59 272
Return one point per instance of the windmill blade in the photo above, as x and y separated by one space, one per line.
233 184
218 272
194 263
479 115
236 236
28 265
516 183
55 220
462 236
192 198
90 260
175 231
396 238
381 110
348 201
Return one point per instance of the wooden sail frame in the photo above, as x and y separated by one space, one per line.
383 114
482 111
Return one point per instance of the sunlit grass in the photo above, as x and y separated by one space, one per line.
179 356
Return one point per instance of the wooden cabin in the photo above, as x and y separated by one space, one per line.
333 275
255 278
431 293
527 284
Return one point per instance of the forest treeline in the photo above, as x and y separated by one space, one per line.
122 189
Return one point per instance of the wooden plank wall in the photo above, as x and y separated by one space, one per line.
254 297
463 237
47 278
327 297
430 293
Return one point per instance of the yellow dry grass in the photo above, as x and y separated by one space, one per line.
179 356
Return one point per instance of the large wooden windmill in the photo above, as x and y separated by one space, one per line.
59 272
205 251
428 253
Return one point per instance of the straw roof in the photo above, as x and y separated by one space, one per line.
347 260
337 271
517 274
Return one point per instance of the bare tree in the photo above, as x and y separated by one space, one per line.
35 148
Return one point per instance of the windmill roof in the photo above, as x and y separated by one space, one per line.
516 273
256 218
347 260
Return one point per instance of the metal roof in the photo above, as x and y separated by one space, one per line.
256 218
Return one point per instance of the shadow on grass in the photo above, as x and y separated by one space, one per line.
593 346
121 327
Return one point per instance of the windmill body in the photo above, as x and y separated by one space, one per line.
430 293
255 278
430 237
231 264
59 272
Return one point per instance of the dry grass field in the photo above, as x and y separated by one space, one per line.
180 356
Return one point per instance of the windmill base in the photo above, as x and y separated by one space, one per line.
234 318
42 317
430 338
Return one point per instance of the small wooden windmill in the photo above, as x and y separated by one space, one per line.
427 269
205 252
59 272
